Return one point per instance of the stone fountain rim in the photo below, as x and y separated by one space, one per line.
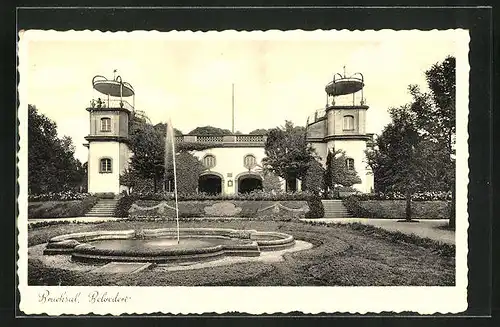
77 245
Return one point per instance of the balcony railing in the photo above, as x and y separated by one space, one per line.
111 103
226 139
250 138
318 114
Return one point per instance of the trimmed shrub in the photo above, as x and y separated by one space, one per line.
395 208
355 209
316 209
314 180
123 205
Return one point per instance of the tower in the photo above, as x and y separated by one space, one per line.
342 125
109 153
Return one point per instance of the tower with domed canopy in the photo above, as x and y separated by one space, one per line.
342 125
109 152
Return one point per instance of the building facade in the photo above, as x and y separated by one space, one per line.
108 151
235 165
343 128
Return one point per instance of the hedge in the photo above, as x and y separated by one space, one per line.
253 196
60 196
395 208
61 209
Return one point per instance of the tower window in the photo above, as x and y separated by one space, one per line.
209 161
349 162
348 123
249 161
105 166
105 124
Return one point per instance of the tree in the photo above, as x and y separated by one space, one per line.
161 128
210 130
148 147
149 159
337 172
314 180
401 157
287 152
435 115
130 178
188 170
271 182
52 166
259 131
416 151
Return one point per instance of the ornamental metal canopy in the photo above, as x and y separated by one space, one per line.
342 85
112 87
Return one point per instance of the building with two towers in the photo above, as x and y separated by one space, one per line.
234 166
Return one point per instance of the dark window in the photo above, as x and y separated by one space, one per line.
105 124
249 161
348 123
209 161
349 162
105 166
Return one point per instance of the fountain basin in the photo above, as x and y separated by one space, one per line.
160 245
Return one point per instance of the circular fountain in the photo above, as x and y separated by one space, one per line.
161 245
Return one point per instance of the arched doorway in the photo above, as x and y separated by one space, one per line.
291 185
248 183
210 184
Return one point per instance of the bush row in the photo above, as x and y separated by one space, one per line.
67 196
420 196
253 196
393 209
60 196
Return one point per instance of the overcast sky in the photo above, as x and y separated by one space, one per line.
278 76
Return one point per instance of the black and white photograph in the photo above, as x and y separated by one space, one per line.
192 172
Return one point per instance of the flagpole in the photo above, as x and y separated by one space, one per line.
232 106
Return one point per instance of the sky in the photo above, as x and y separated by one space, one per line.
188 76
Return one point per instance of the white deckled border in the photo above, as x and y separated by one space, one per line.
256 300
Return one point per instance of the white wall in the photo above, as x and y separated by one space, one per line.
230 161
106 182
321 151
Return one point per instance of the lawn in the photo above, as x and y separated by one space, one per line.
342 255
